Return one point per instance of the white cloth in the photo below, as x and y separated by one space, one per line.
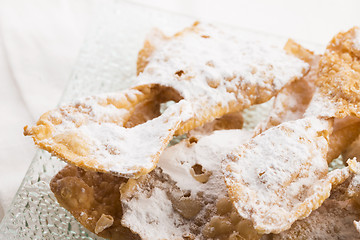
40 40
39 43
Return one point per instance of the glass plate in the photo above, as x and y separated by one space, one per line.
107 62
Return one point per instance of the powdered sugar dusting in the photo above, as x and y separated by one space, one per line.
154 212
321 106
178 160
119 149
155 209
277 171
214 71
218 67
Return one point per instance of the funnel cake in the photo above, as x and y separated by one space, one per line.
207 73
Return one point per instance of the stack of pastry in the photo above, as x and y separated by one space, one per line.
126 179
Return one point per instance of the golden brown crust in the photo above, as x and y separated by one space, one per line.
93 199
142 103
207 115
345 131
339 75
299 51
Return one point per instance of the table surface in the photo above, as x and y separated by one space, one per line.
40 40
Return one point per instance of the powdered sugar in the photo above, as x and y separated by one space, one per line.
178 160
154 212
214 71
216 67
277 171
156 209
119 149
321 106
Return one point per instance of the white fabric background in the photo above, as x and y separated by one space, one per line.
40 40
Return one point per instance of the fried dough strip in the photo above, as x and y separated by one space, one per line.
239 78
90 195
213 72
335 219
338 84
97 133
281 175
338 88
293 100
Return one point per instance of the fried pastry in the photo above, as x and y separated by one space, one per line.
293 100
185 196
282 174
353 150
207 73
153 40
338 83
335 219
93 199
228 121
338 87
92 136
344 134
